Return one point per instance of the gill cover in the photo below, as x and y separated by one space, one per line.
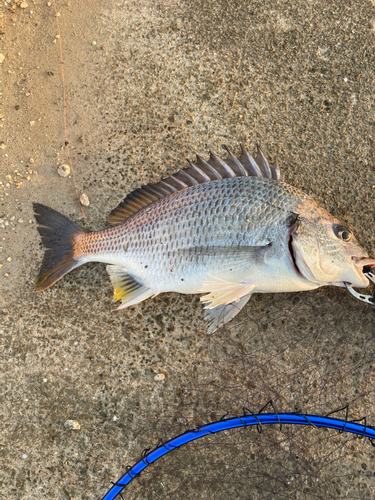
323 258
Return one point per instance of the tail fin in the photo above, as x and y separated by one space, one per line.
58 236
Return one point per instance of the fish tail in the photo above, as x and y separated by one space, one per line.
60 238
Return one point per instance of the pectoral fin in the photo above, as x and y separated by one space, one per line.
126 288
225 292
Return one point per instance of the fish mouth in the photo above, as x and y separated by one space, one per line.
362 265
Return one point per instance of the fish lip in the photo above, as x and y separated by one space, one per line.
363 261
359 264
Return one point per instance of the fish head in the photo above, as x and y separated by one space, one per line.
325 252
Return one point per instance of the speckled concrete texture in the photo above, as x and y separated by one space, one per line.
149 84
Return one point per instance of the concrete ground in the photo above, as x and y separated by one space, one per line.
149 84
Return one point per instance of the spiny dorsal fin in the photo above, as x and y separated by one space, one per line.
263 163
201 171
276 172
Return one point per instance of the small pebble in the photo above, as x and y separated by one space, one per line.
9 259
63 170
72 424
32 161
24 5
24 455
6 275
84 200
94 43
2 57
114 418
159 376
20 221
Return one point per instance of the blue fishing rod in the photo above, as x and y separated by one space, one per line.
232 423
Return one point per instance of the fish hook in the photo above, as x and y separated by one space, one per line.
369 299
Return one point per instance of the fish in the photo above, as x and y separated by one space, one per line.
222 228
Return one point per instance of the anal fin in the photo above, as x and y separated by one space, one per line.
126 288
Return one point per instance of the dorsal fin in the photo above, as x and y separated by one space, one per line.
249 163
235 164
201 171
263 163
276 172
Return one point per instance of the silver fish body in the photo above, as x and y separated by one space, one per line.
233 227
226 238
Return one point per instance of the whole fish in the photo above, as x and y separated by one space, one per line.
222 228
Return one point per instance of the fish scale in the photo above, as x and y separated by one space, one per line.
245 211
223 228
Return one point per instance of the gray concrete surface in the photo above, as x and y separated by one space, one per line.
163 81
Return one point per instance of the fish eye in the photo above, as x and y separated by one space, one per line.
342 233
345 235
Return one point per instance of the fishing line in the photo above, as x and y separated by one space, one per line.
259 419
280 359
57 15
